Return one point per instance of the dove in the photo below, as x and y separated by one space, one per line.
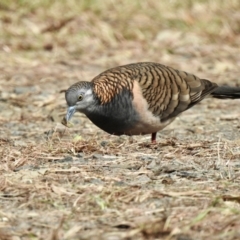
140 98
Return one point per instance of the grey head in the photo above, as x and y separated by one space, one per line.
79 98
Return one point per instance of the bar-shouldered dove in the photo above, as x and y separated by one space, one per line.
140 98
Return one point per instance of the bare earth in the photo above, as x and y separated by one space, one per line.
82 183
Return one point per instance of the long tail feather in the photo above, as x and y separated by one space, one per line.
226 92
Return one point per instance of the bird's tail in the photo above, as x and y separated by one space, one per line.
226 92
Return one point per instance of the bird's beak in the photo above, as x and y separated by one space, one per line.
70 112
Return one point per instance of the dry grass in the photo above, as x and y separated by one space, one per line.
81 183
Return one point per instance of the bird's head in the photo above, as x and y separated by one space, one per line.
79 98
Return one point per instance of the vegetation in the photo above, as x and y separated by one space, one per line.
81 183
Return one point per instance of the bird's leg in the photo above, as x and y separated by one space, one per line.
154 135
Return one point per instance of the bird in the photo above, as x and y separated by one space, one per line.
140 98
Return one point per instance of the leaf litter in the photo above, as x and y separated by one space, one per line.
81 183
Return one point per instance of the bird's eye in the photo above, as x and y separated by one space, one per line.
80 97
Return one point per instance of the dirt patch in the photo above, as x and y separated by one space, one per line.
81 183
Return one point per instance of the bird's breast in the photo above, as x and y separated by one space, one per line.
116 116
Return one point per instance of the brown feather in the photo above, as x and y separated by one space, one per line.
167 91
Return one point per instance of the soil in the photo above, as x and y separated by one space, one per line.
82 183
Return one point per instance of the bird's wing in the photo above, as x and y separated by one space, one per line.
168 91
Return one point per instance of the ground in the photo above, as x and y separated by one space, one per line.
82 183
